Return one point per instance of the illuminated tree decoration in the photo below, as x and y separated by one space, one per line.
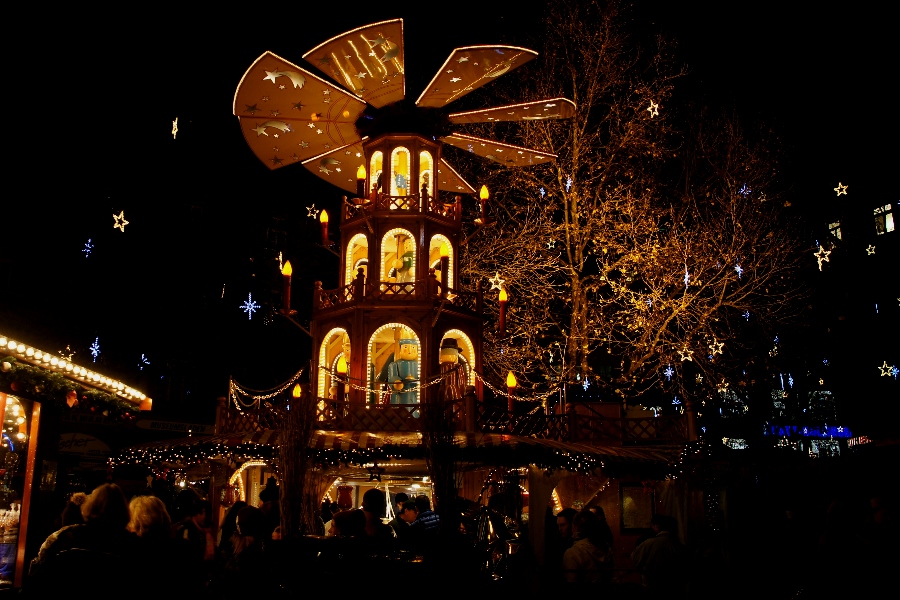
653 109
143 362
869 251
95 348
745 190
312 212
841 189
886 369
822 255
668 372
496 282
120 221
175 128
250 306
88 248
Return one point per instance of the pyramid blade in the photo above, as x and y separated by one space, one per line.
338 166
449 180
368 60
469 68
505 154
288 114
539 110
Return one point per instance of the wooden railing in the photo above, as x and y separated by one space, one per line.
413 203
386 291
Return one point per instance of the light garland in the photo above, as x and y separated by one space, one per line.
235 390
237 476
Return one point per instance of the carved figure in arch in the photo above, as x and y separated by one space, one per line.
402 373
454 370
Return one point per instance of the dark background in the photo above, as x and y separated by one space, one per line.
96 89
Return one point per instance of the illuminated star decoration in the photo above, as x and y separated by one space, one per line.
676 401
747 315
686 354
668 372
551 244
120 221
143 362
249 306
716 347
568 183
822 256
67 353
739 270
745 190
841 189
886 369
312 212
687 276
653 109
496 282
586 384
870 250
95 348
699 378
88 248
722 387
174 128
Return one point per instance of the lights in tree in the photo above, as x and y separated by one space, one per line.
586 384
653 109
841 189
668 372
543 193
568 183
745 190
175 128
716 347
790 380
496 282
746 315
120 221
699 378
886 369
822 255
250 306
551 244
686 354
95 348
687 276
676 401
88 248
739 270
869 251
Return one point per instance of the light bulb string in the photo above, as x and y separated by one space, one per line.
236 391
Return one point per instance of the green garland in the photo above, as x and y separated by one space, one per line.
49 387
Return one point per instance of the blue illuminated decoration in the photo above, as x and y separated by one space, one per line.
745 190
88 248
739 270
11 447
144 362
586 384
249 306
676 401
95 349
812 431
668 372
747 315
790 380
568 183
687 276
543 192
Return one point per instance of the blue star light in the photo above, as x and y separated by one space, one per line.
88 248
676 401
143 362
249 306
790 380
745 190
825 362
747 315
703 429
95 348
895 371
543 192
586 384
739 270
568 183
668 372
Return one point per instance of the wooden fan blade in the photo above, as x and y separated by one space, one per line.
368 60
469 68
338 166
538 110
288 114
505 154
449 180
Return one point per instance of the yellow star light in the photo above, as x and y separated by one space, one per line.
870 250
496 282
841 189
686 354
174 128
653 109
822 256
120 221
885 369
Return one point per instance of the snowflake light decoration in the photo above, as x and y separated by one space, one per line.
496 282
653 109
120 221
250 306
568 183
822 256
143 362
668 372
841 189
95 348
739 270
790 380
687 276
895 371
745 190
676 401
543 192
586 384
88 248
746 315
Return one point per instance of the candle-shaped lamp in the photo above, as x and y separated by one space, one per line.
286 272
445 268
361 182
510 388
342 375
483 196
295 394
503 300
323 220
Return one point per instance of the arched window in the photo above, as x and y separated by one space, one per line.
335 343
398 256
400 172
434 254
426 174
466 350
357 250
394 366
376 166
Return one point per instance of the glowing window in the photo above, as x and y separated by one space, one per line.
357 251
335 343
835 229
466 350
884 219
376 166
434 254
400 171
426 174
398 267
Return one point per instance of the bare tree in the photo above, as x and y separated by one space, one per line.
641 247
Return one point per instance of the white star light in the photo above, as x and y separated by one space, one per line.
686 354
716 347
249 306
822 256
653 109
668 372
120 221
841 189
496 282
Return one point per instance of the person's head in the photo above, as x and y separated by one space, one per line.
409 511
149 517
188 504
251 522
270 492
106 507
349 523
598 510
399 499
586 524
661 523
373 502
423 503
564 522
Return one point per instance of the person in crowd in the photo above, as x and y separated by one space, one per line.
660 560
227 528
193 545
589 559
271 506
564 524
412 538
606 533
373 507
326 511
73 560
428 520
399 526
248 569
71 514
151 522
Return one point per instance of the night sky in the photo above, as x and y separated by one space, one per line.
100 89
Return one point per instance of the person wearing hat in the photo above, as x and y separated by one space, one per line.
454 370
402 373
270 507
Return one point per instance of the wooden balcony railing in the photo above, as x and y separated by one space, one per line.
413 203
387 291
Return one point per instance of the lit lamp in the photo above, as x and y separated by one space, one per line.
146 404
342 374
483 196
445 269
323 220
286 272
361 182
503 299
510 388
296 393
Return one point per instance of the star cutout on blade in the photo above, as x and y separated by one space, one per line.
311 125
841 189
304 144
870 250
653 109
277 161
297 105
271 75
822 256
280 87
360 75
496 282
885 369
462 59
120 221
326 170
251 108
375 472
261 130
455 79
324 60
